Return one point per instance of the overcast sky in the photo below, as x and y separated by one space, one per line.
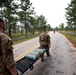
53 10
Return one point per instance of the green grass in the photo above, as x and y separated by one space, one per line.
22 40
71 38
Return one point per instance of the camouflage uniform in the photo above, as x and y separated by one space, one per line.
6 54
44 41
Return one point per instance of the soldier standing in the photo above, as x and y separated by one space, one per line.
7 63
54 31
44 41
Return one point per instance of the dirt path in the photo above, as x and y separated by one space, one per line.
62 60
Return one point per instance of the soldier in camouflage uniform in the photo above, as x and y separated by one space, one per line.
7 63
44 41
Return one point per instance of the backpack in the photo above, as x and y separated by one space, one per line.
44 39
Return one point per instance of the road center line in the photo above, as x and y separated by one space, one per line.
26 52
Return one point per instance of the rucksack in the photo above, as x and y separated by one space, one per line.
44 37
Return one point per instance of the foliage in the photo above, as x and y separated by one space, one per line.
21 18
61 26
71 13
71 38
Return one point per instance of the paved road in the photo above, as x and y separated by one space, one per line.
24 46
62 60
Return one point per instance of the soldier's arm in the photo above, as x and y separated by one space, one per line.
8 57
49 42
11 65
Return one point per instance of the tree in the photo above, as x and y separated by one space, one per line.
7 12
33 22
71 13
42 23
26 11
49 27
61 26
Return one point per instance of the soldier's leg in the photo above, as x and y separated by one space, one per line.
47 52
42 57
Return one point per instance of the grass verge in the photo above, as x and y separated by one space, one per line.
25 39
71 38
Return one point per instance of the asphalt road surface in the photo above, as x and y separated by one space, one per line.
62 60
24 46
